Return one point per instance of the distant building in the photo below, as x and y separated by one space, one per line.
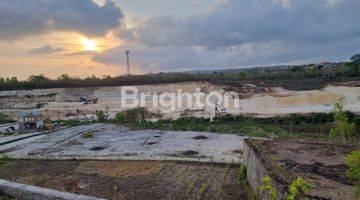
30 120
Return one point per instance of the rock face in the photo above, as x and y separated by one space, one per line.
253 100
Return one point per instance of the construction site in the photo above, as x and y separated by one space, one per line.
111 161
67 103
179 100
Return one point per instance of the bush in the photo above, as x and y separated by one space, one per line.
297 189
353 173
4 118
88 134
120 118
267 186
342 127
4 159
101 116
133 115
242 175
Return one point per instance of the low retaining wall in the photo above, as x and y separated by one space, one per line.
257 169
29 192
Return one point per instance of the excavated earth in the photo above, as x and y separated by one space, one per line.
320 164
254 100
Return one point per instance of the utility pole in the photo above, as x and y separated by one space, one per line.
127 62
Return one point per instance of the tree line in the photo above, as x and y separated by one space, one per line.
341 72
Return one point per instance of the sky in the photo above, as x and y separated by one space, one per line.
89 37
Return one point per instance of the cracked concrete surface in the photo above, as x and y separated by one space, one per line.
112 142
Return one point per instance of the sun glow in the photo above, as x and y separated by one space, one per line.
89 45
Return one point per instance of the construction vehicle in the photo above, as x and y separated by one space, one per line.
88 101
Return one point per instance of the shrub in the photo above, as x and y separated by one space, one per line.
4 159
267 186
297 189
101 116
4 118
133 115
342 127
353 173
120 117
88 134
242 174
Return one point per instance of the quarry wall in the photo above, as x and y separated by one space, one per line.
64 102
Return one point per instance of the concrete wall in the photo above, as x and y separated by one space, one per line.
256 171
29 192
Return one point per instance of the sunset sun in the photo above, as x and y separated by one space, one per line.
89 44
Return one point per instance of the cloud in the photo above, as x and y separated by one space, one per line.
81 53
236 33
239 22
185 58
45 50
19 18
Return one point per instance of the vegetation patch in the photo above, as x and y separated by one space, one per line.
88 134
4 159
133 115
353 173
342 126
298 189
311 126
267 188
4 118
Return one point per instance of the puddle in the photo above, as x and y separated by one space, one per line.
130 154
200 137
97 148
190 153
151 143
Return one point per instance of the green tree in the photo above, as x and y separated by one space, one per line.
242 75
37 78
342 127
353 173
64 77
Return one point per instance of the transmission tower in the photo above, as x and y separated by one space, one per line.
127 62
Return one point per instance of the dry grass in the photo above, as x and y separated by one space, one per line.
125 169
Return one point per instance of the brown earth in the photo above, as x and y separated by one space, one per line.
130 179
321 164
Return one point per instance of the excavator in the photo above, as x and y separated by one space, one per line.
88 101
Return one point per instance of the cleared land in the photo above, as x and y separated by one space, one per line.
105 141
131 179
254 100
320 164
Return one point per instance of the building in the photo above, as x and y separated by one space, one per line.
30 120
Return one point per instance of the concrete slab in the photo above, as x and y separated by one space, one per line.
112 142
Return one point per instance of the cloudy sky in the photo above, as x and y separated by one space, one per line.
89 37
